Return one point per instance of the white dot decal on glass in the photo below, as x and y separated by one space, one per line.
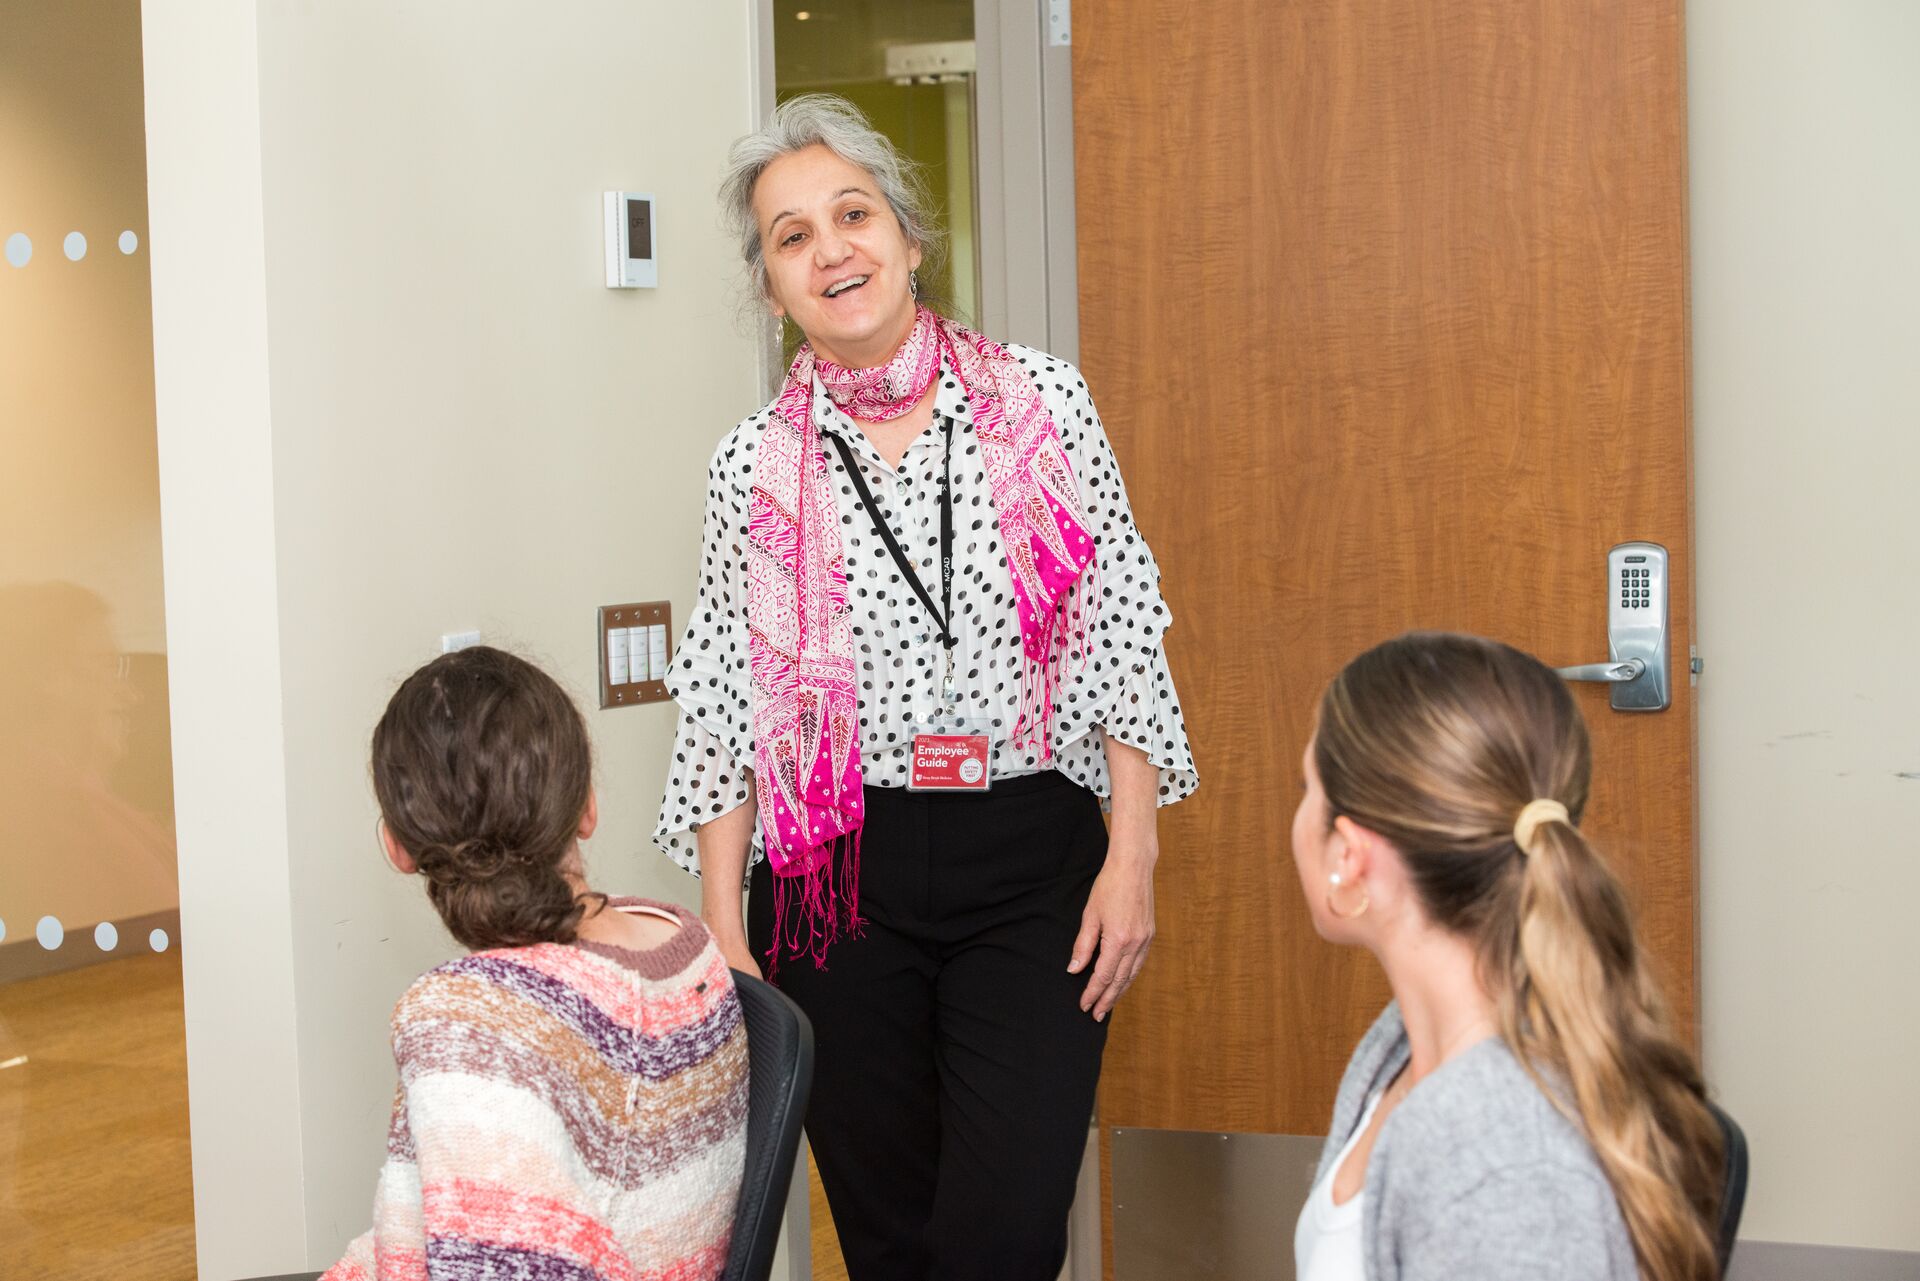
128 242
105 936
158 940
76 246
19 249
50 932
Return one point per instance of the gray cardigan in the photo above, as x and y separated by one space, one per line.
1475 1174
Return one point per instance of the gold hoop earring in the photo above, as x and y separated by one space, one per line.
1366 900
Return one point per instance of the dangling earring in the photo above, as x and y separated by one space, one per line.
1333 883
913 285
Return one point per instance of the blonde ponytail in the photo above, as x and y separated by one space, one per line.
1579 1007
1445 745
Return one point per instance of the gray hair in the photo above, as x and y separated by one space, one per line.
826 120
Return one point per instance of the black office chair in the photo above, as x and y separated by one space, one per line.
779 1075
1733 1192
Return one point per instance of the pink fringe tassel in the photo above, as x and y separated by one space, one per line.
812 910
1069 645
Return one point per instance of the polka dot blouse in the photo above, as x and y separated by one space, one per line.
1123 687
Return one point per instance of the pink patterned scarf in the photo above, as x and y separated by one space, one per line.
806 701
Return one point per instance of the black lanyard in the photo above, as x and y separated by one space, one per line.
941 617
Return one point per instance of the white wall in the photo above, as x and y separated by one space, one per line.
1805 198
395 401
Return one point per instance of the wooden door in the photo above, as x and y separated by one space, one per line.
1385 307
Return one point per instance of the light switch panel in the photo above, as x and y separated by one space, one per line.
632 666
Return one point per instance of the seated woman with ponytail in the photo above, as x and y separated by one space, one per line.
573 1095
1524 1108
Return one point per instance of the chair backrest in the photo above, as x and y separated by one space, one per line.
780 1054
1733 1191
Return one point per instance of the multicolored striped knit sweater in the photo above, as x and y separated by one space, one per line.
566 1112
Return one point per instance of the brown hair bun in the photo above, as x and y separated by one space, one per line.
483 771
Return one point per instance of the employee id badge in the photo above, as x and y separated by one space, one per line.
950 755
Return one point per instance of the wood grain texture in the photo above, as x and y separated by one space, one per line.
1384 306
828 1265
95 1164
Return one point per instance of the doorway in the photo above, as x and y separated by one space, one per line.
979 93
911 69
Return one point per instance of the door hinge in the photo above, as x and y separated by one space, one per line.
1059 22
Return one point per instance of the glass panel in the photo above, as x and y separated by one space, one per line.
94 1160
924 104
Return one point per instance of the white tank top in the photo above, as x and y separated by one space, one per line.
1326 1241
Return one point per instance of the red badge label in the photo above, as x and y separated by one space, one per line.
949 763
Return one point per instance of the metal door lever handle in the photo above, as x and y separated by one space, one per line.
1627 669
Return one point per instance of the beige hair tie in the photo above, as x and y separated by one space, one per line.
1537 812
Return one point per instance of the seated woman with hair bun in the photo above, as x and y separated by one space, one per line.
573 1095
1525 1107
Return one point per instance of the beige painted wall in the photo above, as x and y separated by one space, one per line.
1806 267
454 425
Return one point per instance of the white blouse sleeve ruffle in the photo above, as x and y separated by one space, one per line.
708 774
1125 686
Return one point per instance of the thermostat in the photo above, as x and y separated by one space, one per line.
631 245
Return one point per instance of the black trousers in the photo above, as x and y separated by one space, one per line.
954 1069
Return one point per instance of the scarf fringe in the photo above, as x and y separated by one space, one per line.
812 910
1069 646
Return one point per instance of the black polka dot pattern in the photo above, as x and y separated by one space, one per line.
1123 686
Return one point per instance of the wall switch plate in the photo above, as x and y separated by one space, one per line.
630 673
450 641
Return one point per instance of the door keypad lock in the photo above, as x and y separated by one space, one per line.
1637 649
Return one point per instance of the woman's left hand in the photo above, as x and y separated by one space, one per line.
1118 920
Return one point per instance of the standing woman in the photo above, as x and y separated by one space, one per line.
921 551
